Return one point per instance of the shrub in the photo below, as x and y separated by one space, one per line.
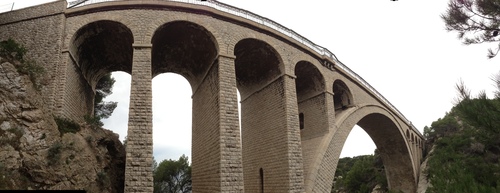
103 179
11 50
33 70
65 125
54 153
93 121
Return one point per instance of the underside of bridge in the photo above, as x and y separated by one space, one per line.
97 49
190 50
269 149
393 150
388 138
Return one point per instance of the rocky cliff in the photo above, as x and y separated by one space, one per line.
37 154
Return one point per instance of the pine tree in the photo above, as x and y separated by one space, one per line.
476 21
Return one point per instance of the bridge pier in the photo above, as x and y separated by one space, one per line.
272 155
216 147
319 121
139 158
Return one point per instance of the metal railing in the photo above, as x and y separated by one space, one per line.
6 7
280 28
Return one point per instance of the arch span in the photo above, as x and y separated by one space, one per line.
96 49
184 48
190 50
342 96
387 135
269 122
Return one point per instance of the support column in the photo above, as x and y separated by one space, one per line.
319 113
216 148
231 156
272 154
138 167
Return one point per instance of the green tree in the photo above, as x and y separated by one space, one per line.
102 109
476 21
172 176
466 159
104 88
360 174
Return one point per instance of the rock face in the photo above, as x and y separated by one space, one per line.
423 181
35 155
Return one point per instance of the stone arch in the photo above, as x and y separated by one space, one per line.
387 135
97 48
257 64
342 97
265 118
311 99
309 81
101 47
408 134
184 48
312 102
190 50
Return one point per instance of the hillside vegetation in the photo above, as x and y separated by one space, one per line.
43 151
462 151
360 174
465 145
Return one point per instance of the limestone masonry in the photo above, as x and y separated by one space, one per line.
298 106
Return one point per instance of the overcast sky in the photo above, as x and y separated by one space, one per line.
400 47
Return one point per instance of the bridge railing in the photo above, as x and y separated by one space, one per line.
280 28
6 7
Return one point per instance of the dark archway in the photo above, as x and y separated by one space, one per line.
342 97
258 69
312 102
256 65
387 136
184 48
309 82
190 50
102 47
97 49
393 150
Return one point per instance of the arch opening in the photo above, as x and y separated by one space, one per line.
258 69
393 151
172 117
102 47
256 65
184 48
190 50
342 97
309 82
96 49
389 139
118 121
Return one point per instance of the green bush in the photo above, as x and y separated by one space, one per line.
33 70
12 51
462 158
54 153
93 121
66 125
360 174
103 179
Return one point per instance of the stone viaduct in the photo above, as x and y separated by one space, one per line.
298 102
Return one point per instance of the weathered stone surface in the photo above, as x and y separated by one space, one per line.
92 159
